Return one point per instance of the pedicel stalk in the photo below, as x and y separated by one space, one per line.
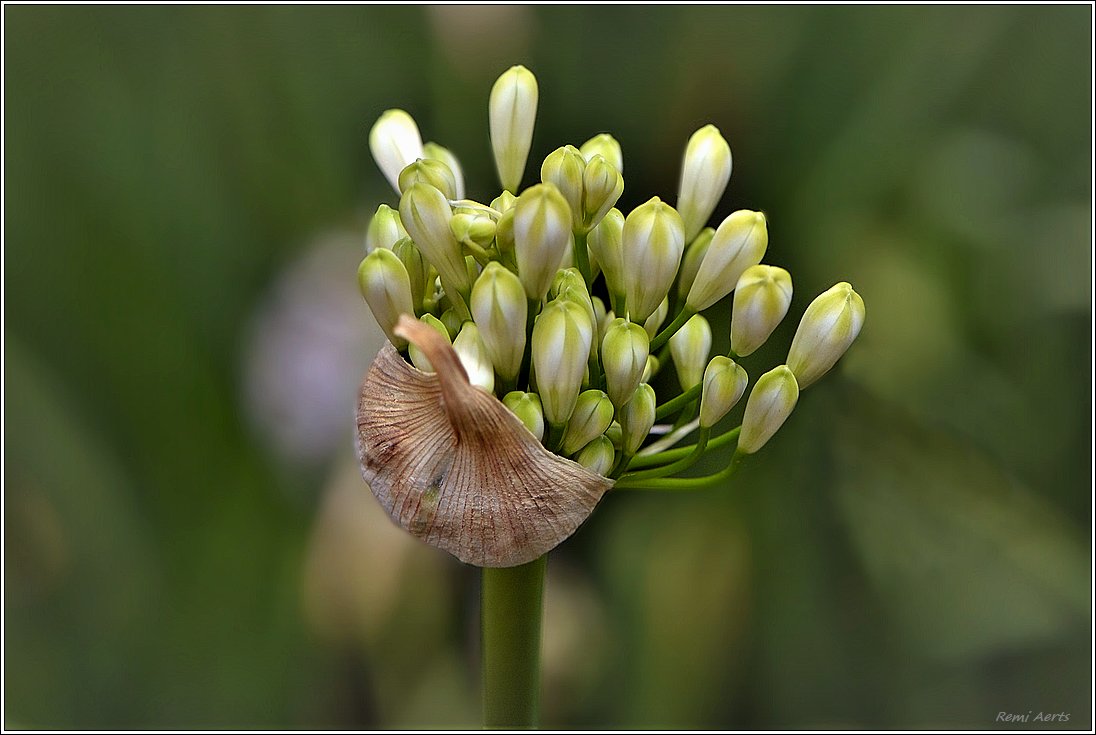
515 390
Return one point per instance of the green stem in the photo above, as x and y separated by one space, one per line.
672 455
683 483
582 258
674 405
674 467
511 612
679 321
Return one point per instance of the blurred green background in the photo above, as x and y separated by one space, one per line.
188 543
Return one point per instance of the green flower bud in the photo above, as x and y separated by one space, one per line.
452 322
499 308
724 384
689 348
503 202
602 186
770 403
430 172
592 415
655 320
542 233
476 229
704 176
561 347
425 214
526 406
761 299
637 416
439 153
600 314
605 245
473 356
563 168
651 369
504 232
624 353
738 243
395 143
384 229
690 264
607 147
829 325
416 268
598 456
384 284
512 112
418 357
653 240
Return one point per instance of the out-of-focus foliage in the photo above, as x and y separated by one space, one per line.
188 544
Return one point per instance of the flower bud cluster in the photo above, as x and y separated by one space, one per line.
567 307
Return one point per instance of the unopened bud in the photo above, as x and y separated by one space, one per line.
704 176
440 153
602 186
430 172
598 456
473 356
542 234
653 240
761 299
592 415
607 147
624 352
395 143
829 325
690 264
605 245
513 111
563 168
425 213
689 348
499 308
415 266
770 403
637 416
655 320
384 229
418 357
738 243
504 233
384 284
724 384
651 369
526 406
478 230
561 347
503 202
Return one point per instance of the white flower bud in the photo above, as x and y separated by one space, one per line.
592 415
829 325
704 176
384 284
651 369
653 240
418 357
395 143
561 347
624 353
476 229
739 242
384 229
440 153
690 264
637 416
513 111
602 186
761 299
607 147
527 407
598 456
430 172
655 320
499 308
563 168
689 348
724 384
503 202
605 245
542 234
770 403
425 214
473 356
416 268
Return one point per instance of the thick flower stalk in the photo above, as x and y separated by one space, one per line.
527 337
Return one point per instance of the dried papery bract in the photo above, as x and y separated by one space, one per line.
454 467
